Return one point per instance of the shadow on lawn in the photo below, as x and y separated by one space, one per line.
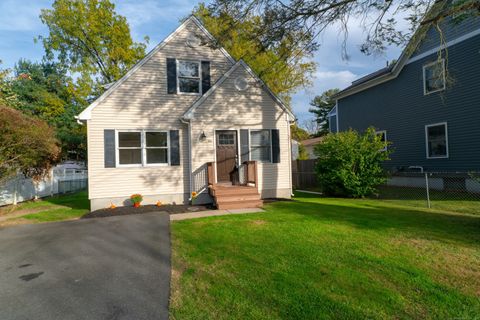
368 215
77 200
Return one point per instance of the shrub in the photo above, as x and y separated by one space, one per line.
350 164
28 145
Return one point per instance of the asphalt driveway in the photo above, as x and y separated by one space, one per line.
106 268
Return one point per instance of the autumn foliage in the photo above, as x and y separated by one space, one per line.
27 145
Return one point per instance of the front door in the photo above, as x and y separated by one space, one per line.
226 154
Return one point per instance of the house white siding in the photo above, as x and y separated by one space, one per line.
230 109
142 102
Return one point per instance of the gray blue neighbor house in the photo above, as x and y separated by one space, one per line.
426 104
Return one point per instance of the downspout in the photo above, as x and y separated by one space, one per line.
290 154
189 130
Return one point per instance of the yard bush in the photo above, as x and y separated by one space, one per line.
28 145
350 164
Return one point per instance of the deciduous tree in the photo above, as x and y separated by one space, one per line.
284 65
45 90
28 145
90 39
380 18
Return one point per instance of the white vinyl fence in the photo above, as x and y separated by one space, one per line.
59 181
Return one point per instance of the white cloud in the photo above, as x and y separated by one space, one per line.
325 80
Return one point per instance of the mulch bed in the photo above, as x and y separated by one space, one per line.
122 211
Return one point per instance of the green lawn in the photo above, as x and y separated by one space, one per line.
458 202
63 207
316 258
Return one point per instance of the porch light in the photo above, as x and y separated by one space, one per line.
203 136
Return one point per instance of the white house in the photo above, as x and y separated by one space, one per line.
188 118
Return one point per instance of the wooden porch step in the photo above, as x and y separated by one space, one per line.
235 197
234 190
238 197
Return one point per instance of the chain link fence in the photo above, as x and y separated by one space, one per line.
449 191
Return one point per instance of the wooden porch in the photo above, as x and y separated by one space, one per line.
241 192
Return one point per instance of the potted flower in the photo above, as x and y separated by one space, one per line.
136 199
194 196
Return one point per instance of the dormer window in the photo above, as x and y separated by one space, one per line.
434 77
188 77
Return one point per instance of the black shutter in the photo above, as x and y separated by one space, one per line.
275 146
174 148
205 76
171 75
109 148
244 146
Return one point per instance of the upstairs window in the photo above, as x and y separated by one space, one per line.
434 77
437 140
188 77
261 145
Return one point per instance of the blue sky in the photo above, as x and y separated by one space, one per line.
19 24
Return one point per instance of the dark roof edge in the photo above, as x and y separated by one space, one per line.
392 71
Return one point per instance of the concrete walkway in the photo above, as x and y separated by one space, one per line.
212 213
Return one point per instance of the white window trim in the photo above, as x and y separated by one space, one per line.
143 148
425 93
333 113
446 140
199 77
386 139
250 145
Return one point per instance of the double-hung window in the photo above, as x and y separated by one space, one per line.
130 148
383 137
188 77
156 145
261 145
436 136
140 148
434 77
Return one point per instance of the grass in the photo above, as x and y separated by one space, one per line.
54 208
324 258
457 202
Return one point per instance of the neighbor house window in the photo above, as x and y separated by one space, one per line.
142 147
156 145
129 148
437 140
434 76
383 137
332 120
260 145
189 77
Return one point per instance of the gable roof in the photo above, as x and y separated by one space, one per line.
312 141
86 114
189 113
392 71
